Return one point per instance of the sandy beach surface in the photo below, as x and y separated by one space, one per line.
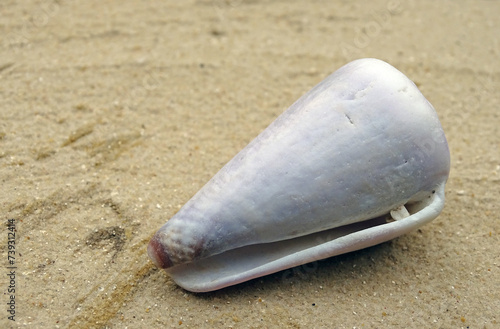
114 113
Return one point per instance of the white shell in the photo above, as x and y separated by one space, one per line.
323 179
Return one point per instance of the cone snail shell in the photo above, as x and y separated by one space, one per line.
358 160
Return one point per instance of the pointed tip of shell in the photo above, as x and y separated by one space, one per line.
158 254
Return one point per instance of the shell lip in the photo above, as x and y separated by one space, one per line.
249 262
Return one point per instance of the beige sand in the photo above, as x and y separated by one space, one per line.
113 114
